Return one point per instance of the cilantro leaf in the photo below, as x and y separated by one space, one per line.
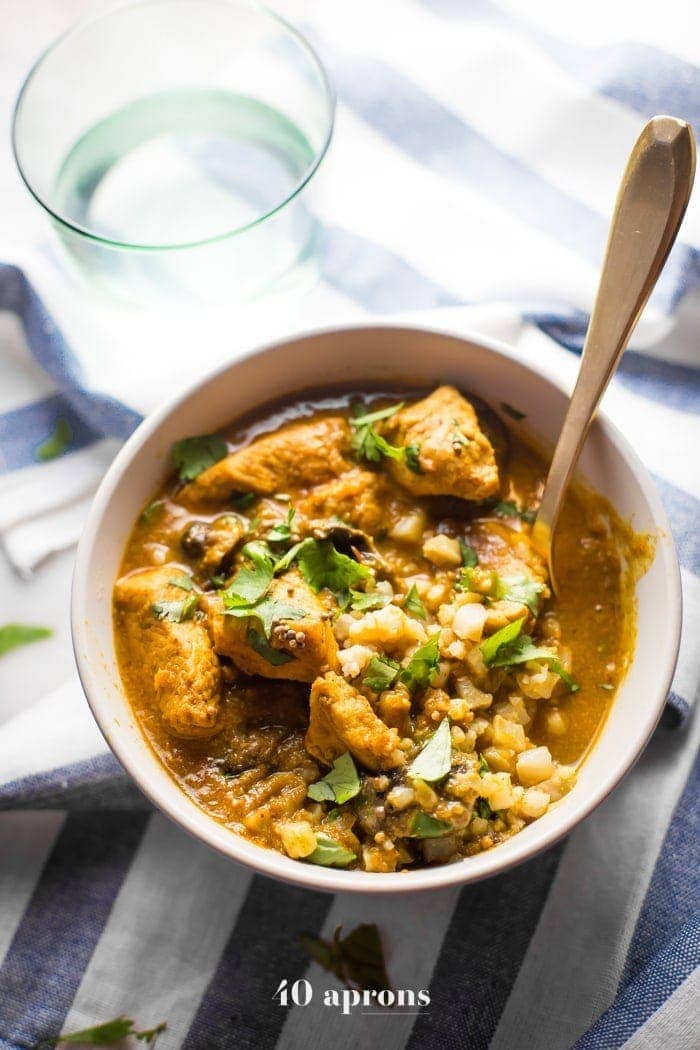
508 647
490 648
330 853
176 611
423 826
149 512
413 604
252 581
340 785
370 445
12 635
423 665
433 762
507 508
381 673
484 767
267 611
361 419
57 442
281 532
518 589
322 565
183 582
193 455
483 809
259 643
241 500
357 960
366 601
105 1034
469 555
412 454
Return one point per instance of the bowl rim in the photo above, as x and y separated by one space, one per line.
270 862
90 235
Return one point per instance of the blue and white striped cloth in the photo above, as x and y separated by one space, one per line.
475 162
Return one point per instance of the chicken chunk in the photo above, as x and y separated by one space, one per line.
298 649
341 719
455 456
177 665
360 497
298 455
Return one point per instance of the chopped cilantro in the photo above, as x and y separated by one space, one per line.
57 442
483 809
412 454
469 555
368 444
509 647
381 673
490 648
241 500
413 604
514 413
322 565
363 419
340 785
484 767
193 455
262 647
357 960
253 580
330 853
507 508
366 601
458 437
105 1034
518 589
13 635
183 582
218 581
434 760
423 665
176 611
423 826
267 611
281 532
148 513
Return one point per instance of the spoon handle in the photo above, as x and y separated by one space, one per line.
650 205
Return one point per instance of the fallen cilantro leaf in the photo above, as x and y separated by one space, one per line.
13 635
484 767
106 1034
268 612
340 785
508 647
361 419
329 853
381 673
193 455
514 413
469 555
56 443
357 960
242 500
176 611
423 826
183 582
413 604
423 665
368 444
433 762
483 809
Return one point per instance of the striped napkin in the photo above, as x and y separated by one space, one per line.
475 161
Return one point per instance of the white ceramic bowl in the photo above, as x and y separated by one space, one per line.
362 354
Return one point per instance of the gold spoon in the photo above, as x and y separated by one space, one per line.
650 205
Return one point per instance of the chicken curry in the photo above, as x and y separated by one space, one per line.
335 632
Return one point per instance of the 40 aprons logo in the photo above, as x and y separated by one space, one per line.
301 993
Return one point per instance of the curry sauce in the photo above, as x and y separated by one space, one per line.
336 635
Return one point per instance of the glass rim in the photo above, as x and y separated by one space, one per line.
90 235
